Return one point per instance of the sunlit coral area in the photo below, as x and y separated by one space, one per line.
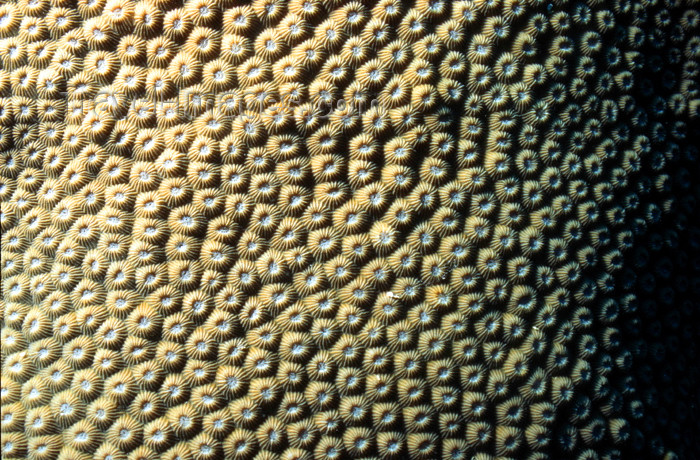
329 229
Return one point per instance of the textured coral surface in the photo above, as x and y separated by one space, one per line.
327 229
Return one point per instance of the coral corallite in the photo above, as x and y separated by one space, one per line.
334 229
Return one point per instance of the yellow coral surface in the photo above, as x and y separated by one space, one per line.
320 229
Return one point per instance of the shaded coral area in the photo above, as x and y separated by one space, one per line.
337 229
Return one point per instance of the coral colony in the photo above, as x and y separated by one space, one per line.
330 229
